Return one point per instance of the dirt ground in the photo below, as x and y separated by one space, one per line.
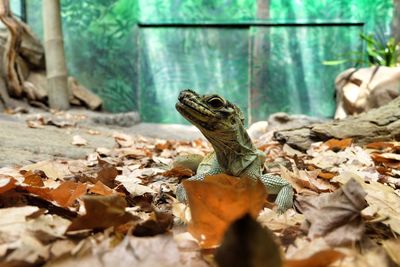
21 145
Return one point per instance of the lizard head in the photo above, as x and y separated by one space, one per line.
209 113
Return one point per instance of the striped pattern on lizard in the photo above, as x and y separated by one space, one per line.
221 122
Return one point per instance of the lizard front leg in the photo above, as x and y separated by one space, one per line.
180 191
283 189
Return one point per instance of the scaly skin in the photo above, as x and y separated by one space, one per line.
221 122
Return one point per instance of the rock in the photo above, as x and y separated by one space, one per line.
282 121
90 99
360 90
257 129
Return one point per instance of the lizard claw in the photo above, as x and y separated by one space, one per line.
181 194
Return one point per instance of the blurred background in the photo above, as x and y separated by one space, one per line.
265 56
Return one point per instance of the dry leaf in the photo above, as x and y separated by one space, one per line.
33 179
323 258
78 140
179 171
102 212
123 140
246 243
66 194
217 201
392 247
51 169
6 183
381 197
132 185
337 145
336 216
101 189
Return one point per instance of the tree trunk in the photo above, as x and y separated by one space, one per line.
9 66
396 20
259 60
381 124
57 77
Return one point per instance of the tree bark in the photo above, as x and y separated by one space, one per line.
381 124
9 67
57 76
259 61
396 20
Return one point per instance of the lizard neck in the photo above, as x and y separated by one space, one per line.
233 148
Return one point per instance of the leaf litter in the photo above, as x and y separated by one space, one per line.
117 207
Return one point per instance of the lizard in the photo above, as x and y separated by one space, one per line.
222 124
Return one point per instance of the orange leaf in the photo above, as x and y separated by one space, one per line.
101 189
67 193
102 212
320 259
336 145
380 145
326 175
219 200
33 179
6 183
39 191
178 171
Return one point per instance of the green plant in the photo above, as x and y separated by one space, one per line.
379 51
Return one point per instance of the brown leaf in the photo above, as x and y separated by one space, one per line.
217 201
392 247
102 212
33 179
101 189
380 145
6 183
107 174
179 171
320 259
336 216
326 175
66 194
247 243
337 145
158 223
78 140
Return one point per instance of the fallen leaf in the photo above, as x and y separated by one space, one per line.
101 189
132 185
66 194
381 197
51 169
78 140
336 216
337 145
323 258
102 212
6 183
33 179
123 140
246 243
392 247
107 173
179 171
217 201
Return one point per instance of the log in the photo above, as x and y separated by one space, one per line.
85 96
380 124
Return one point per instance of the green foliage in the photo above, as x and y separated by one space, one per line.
378 51
381 52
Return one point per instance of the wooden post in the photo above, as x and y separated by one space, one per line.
259 49
57 77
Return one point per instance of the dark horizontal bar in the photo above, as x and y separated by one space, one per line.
248 24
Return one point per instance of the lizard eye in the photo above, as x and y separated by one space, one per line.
216 102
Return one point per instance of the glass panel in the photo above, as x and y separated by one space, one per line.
294 78
204 59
